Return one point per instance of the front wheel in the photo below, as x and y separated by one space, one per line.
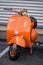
14 53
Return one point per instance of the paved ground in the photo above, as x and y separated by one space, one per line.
25 59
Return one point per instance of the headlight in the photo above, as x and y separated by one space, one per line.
16 33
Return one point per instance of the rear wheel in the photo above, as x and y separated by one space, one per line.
14 53
34 22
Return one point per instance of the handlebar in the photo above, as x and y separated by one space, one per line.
22 12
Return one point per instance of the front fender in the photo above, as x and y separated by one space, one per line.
17 40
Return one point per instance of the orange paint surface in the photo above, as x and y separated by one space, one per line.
19 26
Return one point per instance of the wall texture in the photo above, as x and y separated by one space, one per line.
34 8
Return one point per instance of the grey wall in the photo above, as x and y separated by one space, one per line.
23 0
34 8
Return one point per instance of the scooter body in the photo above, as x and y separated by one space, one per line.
19 28
20 31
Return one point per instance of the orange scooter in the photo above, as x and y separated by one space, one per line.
20 33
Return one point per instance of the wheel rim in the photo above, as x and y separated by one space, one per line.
13 50
12 53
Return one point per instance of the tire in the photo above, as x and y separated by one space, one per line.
35 22
18 53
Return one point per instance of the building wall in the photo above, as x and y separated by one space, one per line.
34 8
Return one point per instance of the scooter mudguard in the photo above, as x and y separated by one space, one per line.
17 40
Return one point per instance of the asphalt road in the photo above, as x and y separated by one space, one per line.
25 59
